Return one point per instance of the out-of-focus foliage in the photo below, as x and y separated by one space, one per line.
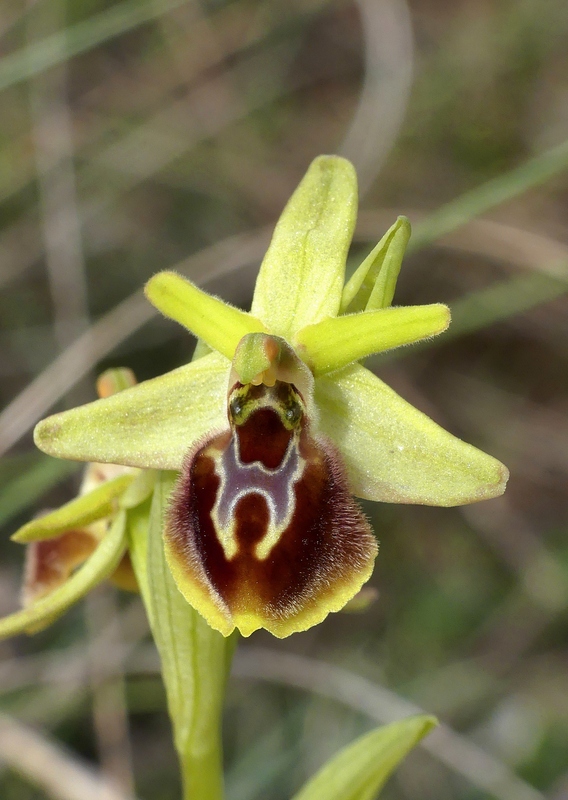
176 131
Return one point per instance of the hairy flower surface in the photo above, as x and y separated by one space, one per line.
278 426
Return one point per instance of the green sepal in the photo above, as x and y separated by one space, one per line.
301 277
373 284
218 324
195 659
335 342
96 568
395 453
139 490
80 511
361 769
152 425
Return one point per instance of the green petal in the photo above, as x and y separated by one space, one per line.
218 324
301 277
359 770
81 511
151 425
95 569
335 342
372 284
395 453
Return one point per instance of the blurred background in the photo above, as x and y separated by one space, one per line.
150 134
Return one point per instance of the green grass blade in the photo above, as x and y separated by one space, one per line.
79 38
478 201
26 489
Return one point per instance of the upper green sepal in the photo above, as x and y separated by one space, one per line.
361 769
372 285
301 277
338 341
218 324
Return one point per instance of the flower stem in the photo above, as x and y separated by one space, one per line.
195 659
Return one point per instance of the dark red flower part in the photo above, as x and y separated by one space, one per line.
262 531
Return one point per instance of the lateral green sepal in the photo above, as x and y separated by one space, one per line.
81 511
335 342
373 284
396 454
218 324
96 568
301 277
361 769
152 425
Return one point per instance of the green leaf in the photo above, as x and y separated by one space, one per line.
373 284
81 511
218 324
337 341
301 277
195 659
26 488
361 769
152 425
96 568
395 453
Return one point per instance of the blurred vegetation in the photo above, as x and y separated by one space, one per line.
137 136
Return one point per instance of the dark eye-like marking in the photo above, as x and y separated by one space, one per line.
293 413
237 408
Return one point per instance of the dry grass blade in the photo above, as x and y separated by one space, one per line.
112 329
46 764
387 33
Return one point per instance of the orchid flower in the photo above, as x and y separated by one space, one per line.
71 549
279 426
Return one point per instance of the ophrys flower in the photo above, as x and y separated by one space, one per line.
277 427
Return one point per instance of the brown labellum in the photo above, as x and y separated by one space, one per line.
50 562
262 530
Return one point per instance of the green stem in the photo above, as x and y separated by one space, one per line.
195 659
202 773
